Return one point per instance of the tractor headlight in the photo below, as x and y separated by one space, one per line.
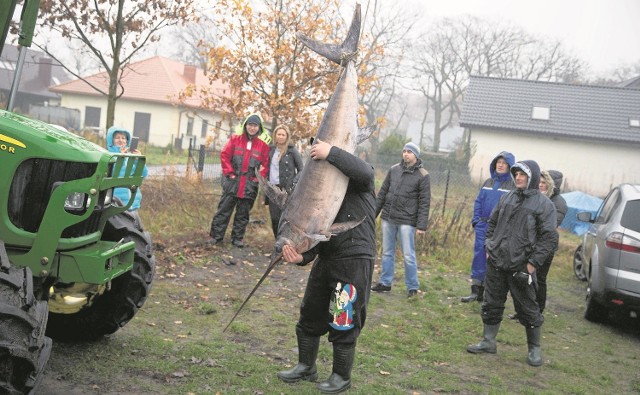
76 201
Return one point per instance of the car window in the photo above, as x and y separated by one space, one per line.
631 215
608 207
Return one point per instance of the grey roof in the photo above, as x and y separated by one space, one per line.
31 81
576 111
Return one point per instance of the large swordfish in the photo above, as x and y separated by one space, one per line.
309 212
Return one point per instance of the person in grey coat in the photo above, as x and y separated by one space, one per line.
520 237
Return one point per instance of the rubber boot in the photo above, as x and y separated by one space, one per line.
307 354
475 289
340 379
488 343
480 293
534 358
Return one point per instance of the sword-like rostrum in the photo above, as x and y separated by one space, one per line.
309 212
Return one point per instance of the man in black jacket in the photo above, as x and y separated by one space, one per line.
520 236
404 201
338 288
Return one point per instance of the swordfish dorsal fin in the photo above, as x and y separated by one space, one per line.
276 195
338 53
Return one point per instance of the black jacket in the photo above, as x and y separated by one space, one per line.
290 165
405 196
556 198
359 202
522 227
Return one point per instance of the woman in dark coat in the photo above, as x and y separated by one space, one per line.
550 186
285 165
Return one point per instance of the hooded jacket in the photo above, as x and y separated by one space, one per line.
556 198
405 195
124 194
522 228
492 189
241 158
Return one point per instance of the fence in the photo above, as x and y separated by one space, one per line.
450 181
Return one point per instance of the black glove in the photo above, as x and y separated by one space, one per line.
523 279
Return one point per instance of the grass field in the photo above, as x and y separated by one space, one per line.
175 345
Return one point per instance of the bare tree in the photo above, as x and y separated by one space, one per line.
387 30
112 32
188 43
618 75
453 49
437 75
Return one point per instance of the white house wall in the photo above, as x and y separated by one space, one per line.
591 167
167 122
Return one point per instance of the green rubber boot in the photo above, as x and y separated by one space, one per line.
488 343
534 358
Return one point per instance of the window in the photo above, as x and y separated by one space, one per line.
541 113
631 216
205 128
142 125
92 117
607 207
189 126
634 122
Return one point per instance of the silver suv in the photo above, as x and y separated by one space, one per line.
610 254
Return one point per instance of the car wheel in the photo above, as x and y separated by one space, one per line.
578 264
594 311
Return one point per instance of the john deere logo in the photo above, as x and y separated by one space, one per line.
8 144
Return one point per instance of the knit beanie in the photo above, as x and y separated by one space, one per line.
253 118
413 148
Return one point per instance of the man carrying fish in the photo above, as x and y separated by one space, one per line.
344 261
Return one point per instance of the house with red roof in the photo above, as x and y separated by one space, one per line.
150 104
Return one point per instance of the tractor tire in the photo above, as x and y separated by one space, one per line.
24 348
116 306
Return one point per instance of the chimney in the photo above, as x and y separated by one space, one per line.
190 73
44 71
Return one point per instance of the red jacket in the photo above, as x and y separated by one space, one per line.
242 164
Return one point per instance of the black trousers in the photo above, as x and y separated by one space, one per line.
328 299
222 216
497 284
542 283
275 213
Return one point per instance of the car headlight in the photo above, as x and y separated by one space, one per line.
76 201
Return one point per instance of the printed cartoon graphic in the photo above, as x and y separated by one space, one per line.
342 306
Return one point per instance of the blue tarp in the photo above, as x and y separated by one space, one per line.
578 202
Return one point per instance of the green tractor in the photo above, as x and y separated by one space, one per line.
75 265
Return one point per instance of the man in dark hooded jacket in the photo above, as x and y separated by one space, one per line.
520 237
338 289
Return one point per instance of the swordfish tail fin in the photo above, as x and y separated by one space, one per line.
338 53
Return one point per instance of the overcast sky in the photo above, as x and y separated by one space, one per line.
605 33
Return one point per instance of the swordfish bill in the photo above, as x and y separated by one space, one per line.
309 212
